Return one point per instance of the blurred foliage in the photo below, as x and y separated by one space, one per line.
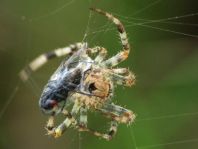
164 59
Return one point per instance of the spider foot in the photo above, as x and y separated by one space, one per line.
107 137
129 80
55 132
127 117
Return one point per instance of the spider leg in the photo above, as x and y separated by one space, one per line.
102 52
124 71
115 60
121 56
82 126
107 136
83 117
101 56
70 120
44 58
50 123
113 129
117 113
126 80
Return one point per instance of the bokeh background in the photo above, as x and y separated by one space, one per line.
164 57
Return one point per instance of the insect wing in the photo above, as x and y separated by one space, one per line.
76 57
58 73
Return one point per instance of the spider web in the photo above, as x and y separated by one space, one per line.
156 126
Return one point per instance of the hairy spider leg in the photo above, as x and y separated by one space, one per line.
107 136
123 71
82 126
44 58
117 113
102 52
126 80
101 56
69 121
51 120
122 55
83 117
50 123
113 129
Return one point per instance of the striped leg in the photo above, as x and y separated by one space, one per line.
126 80
101 56
50 123
121 56
70 120
124 71
107 136
102 52
115 60
83 117
113 129
44 58
82 126
117 113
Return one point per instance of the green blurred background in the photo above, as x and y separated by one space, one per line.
164 57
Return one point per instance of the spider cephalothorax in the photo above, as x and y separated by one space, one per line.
98 84
86 83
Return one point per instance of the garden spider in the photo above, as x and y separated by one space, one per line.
86 83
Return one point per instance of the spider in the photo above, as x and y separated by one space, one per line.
85 83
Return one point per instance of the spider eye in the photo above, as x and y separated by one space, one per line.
92 87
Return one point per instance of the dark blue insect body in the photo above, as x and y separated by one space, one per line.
57 89
65 79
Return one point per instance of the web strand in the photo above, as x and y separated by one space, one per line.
169 143
53 12
146 7
143 24
168 116
87 27
133 137
9 100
